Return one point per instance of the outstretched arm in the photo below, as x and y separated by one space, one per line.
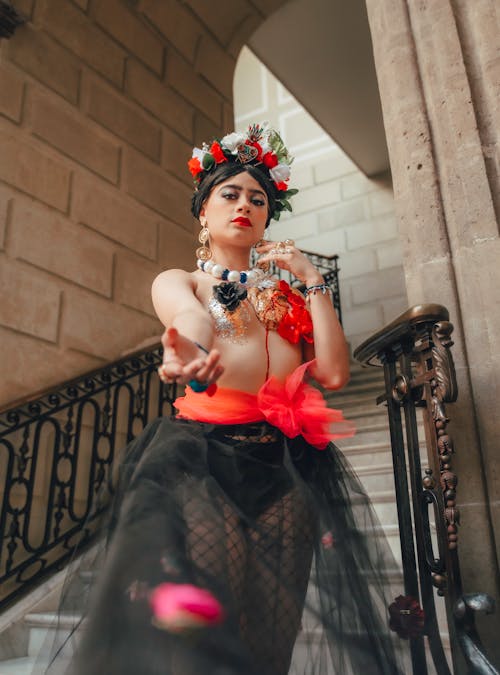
187 323
330 347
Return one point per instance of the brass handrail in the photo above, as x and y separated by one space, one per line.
369 350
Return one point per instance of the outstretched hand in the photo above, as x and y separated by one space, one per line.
184 361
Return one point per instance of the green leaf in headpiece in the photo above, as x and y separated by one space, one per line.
208 161
276 143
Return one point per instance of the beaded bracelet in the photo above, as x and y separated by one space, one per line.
322 288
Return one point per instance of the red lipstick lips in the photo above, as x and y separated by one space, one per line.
242 221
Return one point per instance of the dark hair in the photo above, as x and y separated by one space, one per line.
224 171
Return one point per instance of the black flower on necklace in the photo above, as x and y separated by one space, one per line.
230 294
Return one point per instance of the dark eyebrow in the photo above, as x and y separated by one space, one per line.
238 187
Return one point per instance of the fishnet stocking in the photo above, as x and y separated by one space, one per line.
279 561
261 568
217 547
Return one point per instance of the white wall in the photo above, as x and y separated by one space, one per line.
338 209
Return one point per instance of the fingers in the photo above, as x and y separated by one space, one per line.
169 337
287 246
170 370
206 370
202 369
286 256
211 369
276 251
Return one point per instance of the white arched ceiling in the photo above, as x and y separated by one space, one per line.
321 51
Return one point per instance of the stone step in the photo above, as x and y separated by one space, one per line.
358 368
367 455
366 374
371 410
42 625
360 454
349 401
20 666
374 432
357 389
369 434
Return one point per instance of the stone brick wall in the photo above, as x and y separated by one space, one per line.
338 209
100 104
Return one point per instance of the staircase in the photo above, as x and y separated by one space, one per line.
32 624
369 452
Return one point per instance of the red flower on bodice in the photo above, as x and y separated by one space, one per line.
296 323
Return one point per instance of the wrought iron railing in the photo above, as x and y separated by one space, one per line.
57 451
56 456
419 372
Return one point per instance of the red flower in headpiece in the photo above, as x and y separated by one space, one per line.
194 166
282 186
217 153
257 146
270 160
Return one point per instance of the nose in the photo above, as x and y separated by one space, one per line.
244 204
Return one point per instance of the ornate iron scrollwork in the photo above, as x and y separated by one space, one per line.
446 389
419 372
70 435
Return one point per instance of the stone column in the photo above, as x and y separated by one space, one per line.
438 70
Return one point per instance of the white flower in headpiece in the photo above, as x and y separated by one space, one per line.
266 147
232 141
199 153
280 173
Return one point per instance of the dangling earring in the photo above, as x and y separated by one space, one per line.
203 253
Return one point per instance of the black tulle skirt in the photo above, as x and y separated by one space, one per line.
280 533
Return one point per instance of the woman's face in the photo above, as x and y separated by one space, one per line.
236 211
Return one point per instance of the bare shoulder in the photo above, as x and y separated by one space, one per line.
173 291
174 278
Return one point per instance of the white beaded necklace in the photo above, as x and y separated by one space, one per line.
253 277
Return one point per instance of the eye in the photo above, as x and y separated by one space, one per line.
229 195
258 201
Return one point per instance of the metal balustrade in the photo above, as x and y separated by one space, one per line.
415 353
56 458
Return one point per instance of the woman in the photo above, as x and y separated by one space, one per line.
220 511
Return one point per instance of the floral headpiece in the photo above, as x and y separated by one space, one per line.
260 145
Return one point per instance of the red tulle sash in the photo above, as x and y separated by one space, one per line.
293 406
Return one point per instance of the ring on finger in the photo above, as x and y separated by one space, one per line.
281 248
